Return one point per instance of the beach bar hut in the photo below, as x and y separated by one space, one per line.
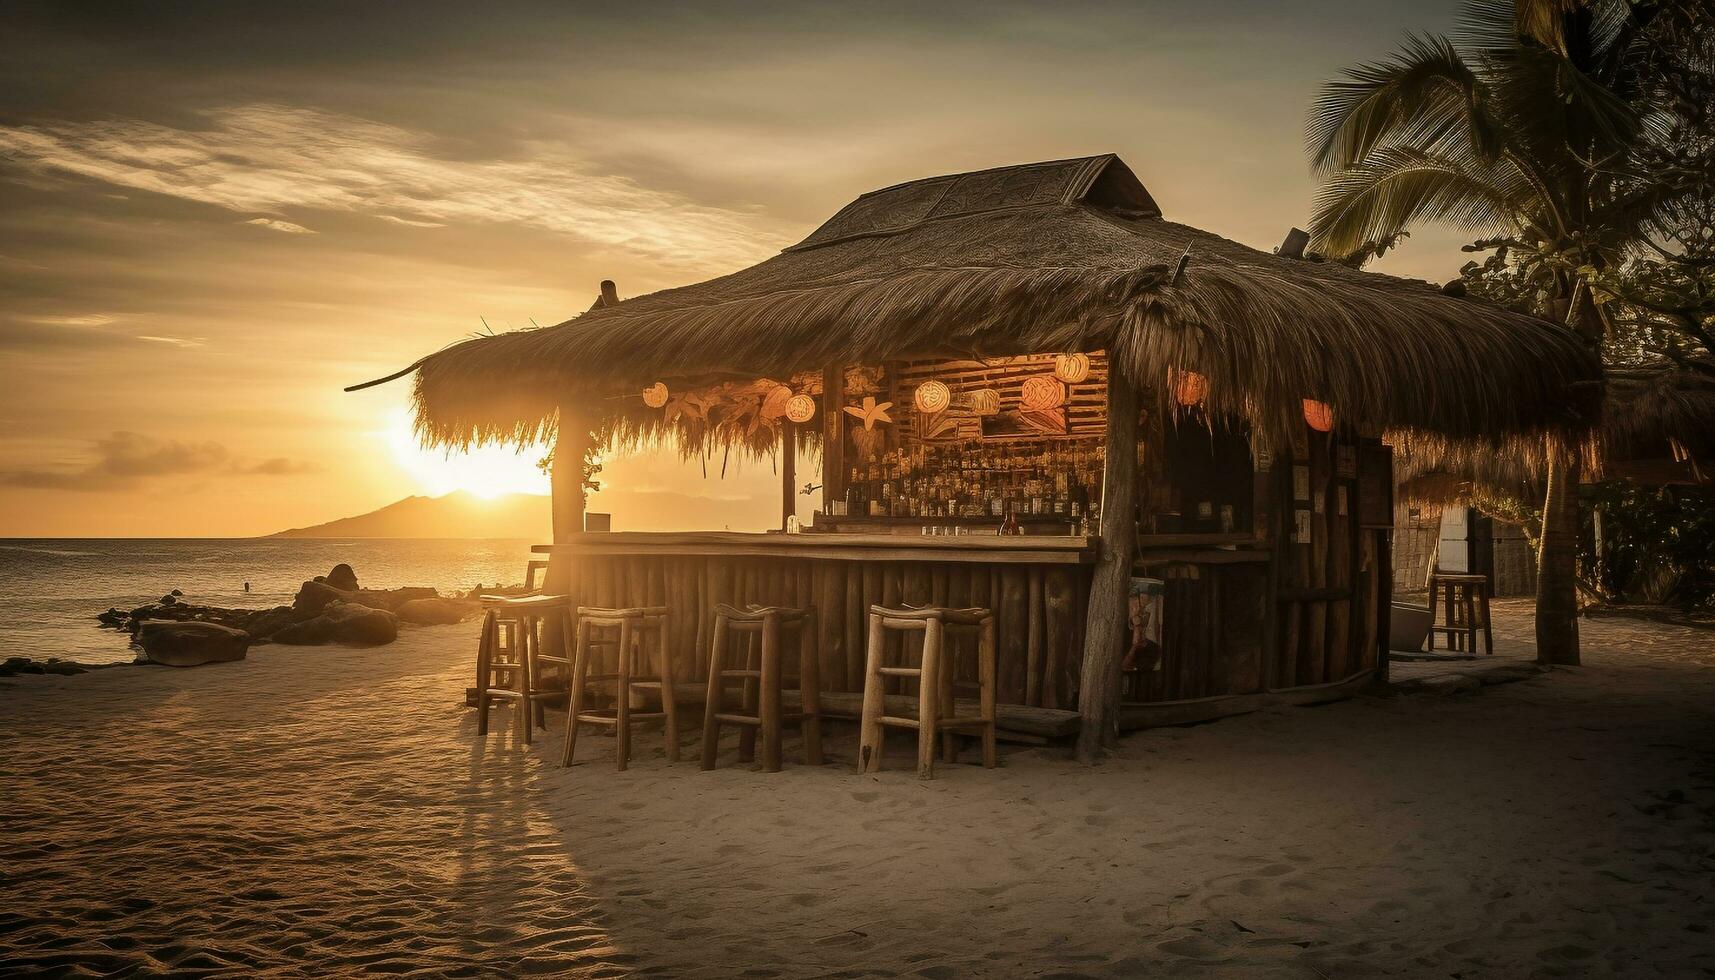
1186 431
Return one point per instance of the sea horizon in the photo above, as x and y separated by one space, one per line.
51 589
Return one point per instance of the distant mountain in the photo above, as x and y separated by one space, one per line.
457 515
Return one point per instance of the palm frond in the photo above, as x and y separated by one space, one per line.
1396 186
1428 97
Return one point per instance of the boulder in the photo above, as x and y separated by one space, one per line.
342 578
191 643
434 611
264 623
313 596
342 622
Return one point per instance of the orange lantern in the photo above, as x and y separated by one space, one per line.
1041 393
655 395
800 408
1318 415
1072 368
932 397
1190 389
983 401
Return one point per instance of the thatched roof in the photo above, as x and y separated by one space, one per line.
1070 255
1657 426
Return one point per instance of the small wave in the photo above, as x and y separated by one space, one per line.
58 553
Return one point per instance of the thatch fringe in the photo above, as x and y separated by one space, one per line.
1010 262
1657 425
956 312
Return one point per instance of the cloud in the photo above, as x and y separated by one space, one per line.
270 158
124 460
411 222
279 466
275 224
170 341
85 320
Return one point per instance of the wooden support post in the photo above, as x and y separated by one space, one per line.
1104 643
788 472
833 435
567 478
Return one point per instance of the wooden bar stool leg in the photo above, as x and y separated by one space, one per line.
769 710
484 669
526 682
949 667
1488 631
622 707
1452 613
1471 618
712 703
575 700
986 680
669 705
928 699
871 735
751 689
536 711
809 689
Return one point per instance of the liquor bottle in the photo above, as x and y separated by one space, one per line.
1010 525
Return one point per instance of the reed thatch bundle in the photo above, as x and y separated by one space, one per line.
1064 256
1657 426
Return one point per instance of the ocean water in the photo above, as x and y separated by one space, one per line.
51 589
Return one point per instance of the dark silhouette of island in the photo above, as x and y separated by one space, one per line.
460 514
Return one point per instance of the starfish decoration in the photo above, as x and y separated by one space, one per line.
870 411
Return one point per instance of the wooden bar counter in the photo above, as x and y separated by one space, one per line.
1037 586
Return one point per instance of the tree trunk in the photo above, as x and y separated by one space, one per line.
1557 562
1104 641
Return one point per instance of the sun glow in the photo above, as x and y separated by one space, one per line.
488 471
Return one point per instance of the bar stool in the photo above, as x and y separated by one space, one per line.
629 632
935 684
525 670
1465 599
760 673
504 652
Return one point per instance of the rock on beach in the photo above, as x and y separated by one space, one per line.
191 643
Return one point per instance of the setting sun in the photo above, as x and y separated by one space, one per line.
487 471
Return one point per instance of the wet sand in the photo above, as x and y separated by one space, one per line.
327 811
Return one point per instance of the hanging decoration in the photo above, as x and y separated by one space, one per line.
655 396
800 408
1190 388
774 402
932 397
1041 393
982 401
1318 415
692 407
870 412
1072 368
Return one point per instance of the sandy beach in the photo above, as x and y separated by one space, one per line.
316 811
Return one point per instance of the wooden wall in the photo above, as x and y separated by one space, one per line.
1039 609
1289 614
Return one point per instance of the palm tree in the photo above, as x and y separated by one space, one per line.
1522 129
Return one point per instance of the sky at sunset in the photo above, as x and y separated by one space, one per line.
215 216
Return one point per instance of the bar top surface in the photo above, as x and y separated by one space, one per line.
1010 549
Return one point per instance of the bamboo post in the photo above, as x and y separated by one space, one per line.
567 477
788 472
1099 685
833 435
